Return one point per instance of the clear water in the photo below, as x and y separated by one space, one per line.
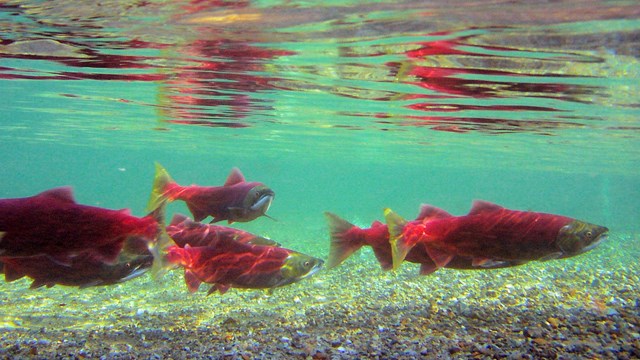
347 107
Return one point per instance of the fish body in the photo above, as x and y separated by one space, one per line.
491 233
347 238
236 201
233 264
185 231
52 223
82 271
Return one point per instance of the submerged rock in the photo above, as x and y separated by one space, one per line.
42 47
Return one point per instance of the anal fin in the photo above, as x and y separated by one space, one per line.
427 268
222 288
193 282
197 212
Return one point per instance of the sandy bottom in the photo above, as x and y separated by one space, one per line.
585 307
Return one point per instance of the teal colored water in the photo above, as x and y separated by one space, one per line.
349 107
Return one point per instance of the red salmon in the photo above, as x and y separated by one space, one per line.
237 200
53 224
492 234
347 238
233 264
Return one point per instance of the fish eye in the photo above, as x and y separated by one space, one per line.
589 234
307 263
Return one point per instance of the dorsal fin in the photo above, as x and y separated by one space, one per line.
234 177
64 194
481 206
124 211
431 212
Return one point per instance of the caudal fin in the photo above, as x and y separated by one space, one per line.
158 192
342 245
399 246
161 243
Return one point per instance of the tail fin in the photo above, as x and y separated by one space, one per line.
399 246
342 245
162 241
160 182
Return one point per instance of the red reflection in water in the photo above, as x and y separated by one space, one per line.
476 83
216 77
231 72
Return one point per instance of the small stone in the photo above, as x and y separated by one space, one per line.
533 332
540 341
611 312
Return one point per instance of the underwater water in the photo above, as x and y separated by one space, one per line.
344 106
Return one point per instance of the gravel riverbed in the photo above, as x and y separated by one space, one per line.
585 307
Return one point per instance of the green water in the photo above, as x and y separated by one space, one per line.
531 108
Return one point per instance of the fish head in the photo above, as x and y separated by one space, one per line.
255 204
578 237
299 266
132 268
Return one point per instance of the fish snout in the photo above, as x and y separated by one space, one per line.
578 237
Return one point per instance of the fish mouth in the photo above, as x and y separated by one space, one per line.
263 203
314 270
597 242
593 245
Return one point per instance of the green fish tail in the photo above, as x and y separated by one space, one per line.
162 241
399 245
159 251
158 192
